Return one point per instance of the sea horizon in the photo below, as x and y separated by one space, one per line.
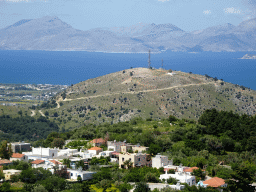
71 67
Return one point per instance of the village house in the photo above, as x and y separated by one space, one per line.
116 146
214 182
84 175
20 147
8 174
189 170
42 153
38 163
95 150
181 176
136 159
139 149
98 142
5 162
19 157
159 161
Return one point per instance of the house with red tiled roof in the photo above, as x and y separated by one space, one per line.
55 162
215 182
37 163
5 162
98 142
19 157
95 150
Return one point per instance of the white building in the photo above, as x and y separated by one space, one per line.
159 161
95 150
85 175
42 153
181 176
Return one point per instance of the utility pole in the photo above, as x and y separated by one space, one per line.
149 62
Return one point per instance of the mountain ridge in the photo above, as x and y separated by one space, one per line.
51 34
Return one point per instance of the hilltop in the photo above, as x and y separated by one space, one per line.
146 93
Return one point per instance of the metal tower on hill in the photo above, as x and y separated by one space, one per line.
149 62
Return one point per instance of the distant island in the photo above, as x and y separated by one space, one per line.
248 56
52 34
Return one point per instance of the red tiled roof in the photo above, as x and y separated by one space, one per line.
5 161
55 162
190 169
37 161
17 155
95 148
99 140
215 182
115 153
167 169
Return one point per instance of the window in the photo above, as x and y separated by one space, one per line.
123 159
138 159
130 159
71 174
52 154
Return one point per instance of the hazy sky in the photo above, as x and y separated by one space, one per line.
188 15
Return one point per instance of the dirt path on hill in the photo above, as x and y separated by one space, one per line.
41 113
33 113
141 91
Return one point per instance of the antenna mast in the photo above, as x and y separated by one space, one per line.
149 62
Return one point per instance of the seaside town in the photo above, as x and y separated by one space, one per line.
15 94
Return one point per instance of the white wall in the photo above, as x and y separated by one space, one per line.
45 151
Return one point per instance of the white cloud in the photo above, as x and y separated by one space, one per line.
163 0
232 10
207 12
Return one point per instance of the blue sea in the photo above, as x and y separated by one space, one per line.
69 67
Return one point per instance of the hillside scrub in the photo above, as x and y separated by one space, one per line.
25 128
155 94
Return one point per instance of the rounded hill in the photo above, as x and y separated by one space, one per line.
146 93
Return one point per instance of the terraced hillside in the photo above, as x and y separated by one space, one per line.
148 93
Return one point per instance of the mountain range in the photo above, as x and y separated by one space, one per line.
52 34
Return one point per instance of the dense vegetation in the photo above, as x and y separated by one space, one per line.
218 136
25 128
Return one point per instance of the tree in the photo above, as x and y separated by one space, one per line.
172 118
154 149
242 178
67 162
58 142
5 187
128 164
5 151
142 187
20 113
63 173
125 187
54 183
199 174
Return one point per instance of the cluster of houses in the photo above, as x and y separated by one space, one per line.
125 154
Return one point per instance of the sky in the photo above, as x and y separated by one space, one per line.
189 15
